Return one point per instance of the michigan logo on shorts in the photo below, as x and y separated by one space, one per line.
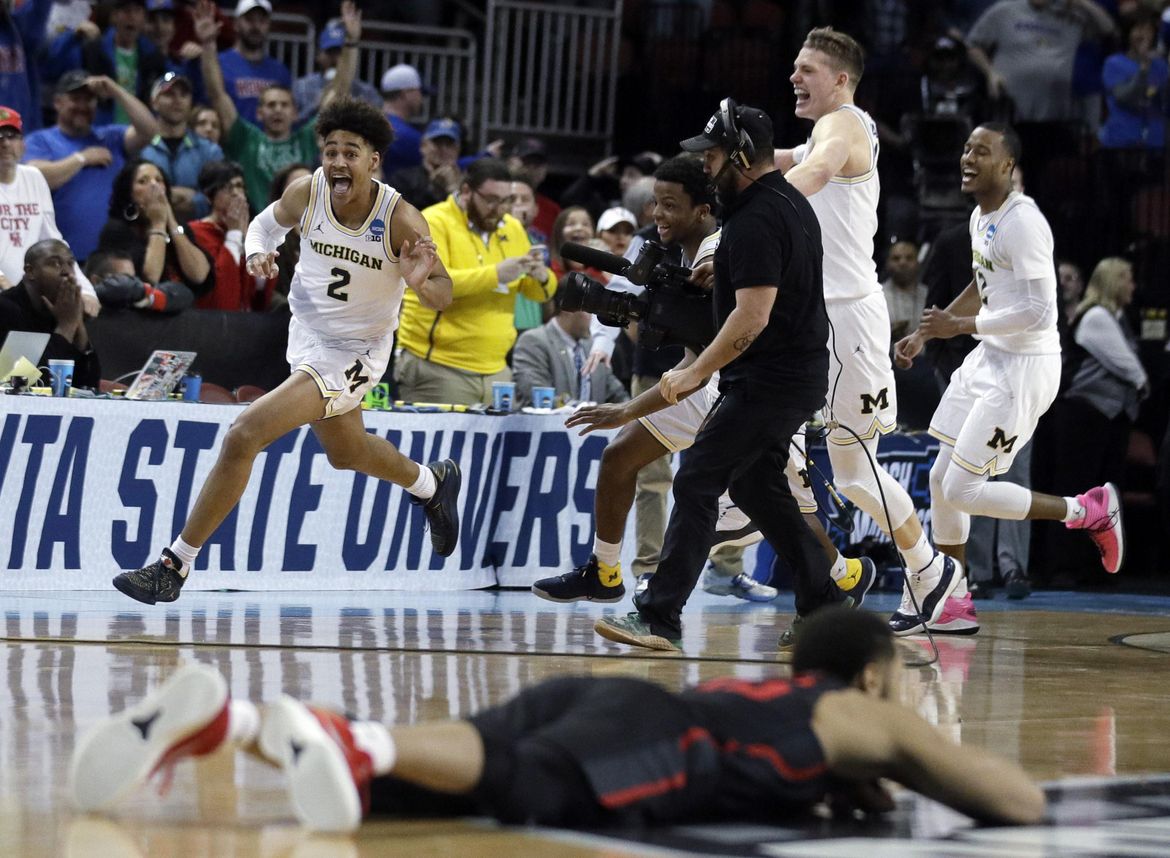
1000 441
881 401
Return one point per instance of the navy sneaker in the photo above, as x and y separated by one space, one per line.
583 584
932 585
158 582
789 635
442 508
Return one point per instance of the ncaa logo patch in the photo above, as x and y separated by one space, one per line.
377 230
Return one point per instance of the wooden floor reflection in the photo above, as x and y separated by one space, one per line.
1043 682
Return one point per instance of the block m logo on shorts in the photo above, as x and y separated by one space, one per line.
1000 441
881 401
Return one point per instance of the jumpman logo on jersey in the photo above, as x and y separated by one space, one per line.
319 227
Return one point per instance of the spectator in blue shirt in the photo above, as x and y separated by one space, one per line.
247 68
122 54
1135 90
21 35
402 100
80 160
183 59
178 152
307 91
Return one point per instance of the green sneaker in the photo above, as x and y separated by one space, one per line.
632 630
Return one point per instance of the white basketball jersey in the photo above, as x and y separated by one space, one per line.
847 210
346 284
1009 247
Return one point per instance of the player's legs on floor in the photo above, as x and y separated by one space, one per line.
600 578
294 403
435 487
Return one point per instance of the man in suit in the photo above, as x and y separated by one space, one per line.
553 356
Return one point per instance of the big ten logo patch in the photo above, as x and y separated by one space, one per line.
1000 441
881 401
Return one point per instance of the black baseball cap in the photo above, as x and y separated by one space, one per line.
72 81
754 121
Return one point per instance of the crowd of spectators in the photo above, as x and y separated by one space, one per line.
146 147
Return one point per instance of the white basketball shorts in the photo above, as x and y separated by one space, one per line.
343 370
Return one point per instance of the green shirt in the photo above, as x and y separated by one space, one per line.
262 158
126 70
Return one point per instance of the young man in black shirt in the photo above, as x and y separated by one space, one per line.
773 363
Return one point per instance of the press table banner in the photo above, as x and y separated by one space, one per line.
91 487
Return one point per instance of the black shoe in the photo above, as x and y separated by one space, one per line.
789 635
442 508
158 582
1017 585
980 590
583 584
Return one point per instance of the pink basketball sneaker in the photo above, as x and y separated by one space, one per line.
1103 522
958 617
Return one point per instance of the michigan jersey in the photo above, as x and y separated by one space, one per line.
1009 247
347 284
847 210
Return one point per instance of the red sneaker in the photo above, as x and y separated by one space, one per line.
187 716
328 775
1103 522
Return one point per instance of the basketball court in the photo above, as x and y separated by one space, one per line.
1073 686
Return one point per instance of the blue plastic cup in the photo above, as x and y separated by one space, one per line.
544 397
503 395
61 373
191 386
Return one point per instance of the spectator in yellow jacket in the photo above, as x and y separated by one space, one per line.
455 355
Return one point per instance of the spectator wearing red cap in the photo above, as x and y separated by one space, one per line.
403 94
26 210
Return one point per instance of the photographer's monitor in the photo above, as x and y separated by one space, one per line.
22 344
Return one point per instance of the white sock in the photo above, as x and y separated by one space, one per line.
243 723
840 568
186 553
609 553
920 555
424 487
1076 510
960 588
375 740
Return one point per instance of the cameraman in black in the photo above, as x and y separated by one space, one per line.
773 363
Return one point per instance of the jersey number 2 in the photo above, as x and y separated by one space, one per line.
335 286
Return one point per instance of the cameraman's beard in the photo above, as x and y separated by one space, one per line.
725 185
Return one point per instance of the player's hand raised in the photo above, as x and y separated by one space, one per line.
263 264
606 415
417 259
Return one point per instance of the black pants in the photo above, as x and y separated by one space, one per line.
742 446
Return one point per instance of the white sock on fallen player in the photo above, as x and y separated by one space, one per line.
375 739
243 723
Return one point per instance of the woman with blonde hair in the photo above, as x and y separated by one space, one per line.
1105 384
